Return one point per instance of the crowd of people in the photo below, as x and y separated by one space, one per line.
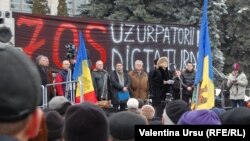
22 119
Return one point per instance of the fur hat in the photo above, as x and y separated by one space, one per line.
148 111
20 85
55 124
85 121
199 117
59 104
161 60
175 109
122 125
236 66
133 103
240 116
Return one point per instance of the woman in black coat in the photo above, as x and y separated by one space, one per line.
162 78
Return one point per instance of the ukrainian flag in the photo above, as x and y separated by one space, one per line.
82 73
203 96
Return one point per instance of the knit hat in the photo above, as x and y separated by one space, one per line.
148 111
236 66
132 103
175 109
161 60
55 124
20 85
122 125
85 121
59 104
240 116
199 117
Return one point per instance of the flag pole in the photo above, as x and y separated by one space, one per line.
197 93
195 96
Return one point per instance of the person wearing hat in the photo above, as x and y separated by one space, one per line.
199 117
162 79
20 94
237 82
236 116
85 121
54 122
59 104
173 112
122 125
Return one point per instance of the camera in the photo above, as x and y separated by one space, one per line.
71 51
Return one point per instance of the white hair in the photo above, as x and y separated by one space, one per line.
133 103
138 62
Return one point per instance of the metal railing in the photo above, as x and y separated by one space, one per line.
70 91
42 87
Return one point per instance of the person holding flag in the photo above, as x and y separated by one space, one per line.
203 96
82 74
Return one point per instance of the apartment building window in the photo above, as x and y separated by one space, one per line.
73 5
24 6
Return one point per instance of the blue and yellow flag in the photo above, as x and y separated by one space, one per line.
82 73
203 96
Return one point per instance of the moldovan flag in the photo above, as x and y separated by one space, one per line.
203 96
82 73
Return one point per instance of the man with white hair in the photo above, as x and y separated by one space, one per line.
100 81
139 81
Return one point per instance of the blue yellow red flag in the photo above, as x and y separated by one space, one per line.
203 96
82 73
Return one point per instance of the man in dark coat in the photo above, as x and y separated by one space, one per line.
188 76
120 81
151 81
100 81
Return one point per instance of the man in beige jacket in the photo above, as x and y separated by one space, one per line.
139 81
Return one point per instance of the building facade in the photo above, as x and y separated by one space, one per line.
25 6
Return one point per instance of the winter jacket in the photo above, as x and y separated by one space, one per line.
139 85
237 90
